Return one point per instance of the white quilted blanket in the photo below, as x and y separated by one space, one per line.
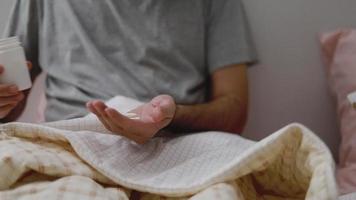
78 159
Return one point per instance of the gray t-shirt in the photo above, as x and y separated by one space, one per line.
96 49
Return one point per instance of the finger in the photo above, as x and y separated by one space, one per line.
135 130
92 109
5 110
123 121
116 116
107 126
118 121
166 104
99 106
115 125
8 90
29 65
113 121
103 121
11 99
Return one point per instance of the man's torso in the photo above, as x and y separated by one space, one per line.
140 49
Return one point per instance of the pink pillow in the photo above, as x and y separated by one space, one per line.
339 50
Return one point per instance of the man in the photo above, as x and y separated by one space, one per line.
195 52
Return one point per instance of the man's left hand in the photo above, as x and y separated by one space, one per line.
142 123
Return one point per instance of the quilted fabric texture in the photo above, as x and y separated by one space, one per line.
339 50
292 163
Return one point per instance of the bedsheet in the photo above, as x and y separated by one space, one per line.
79 159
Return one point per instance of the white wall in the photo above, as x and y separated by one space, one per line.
289 84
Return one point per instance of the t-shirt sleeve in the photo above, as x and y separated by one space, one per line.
229 39
24 23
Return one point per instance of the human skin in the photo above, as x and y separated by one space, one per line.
226 110
12 101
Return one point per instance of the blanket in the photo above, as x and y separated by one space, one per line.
80 159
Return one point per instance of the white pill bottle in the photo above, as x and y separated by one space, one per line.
12 58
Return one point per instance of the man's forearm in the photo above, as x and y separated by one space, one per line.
226 113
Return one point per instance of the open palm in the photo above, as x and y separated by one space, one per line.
141 123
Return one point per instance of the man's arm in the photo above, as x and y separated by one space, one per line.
226 109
